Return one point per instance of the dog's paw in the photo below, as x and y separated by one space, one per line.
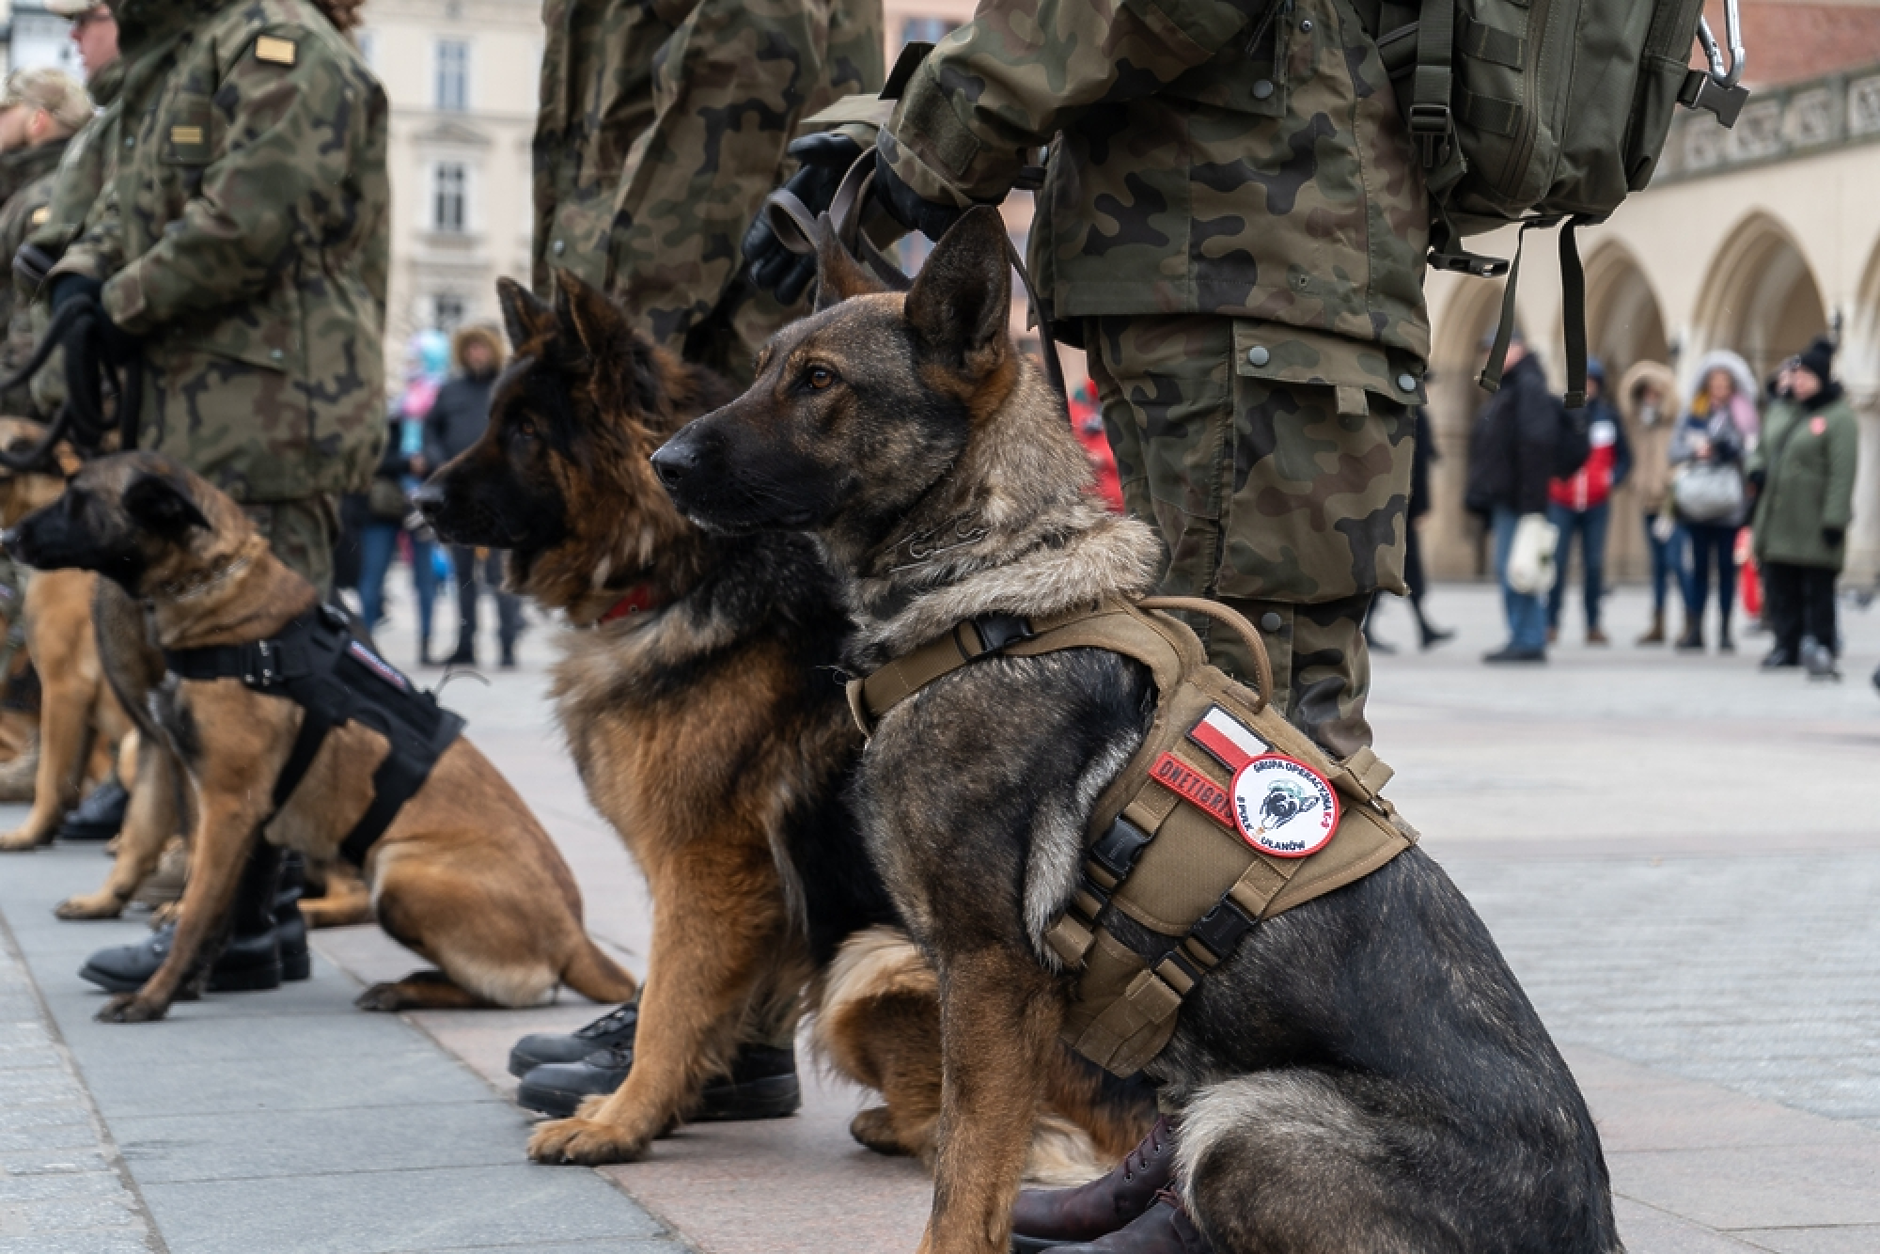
96 906
19 841
875 1129
130 1008
164 915
584 1142
384 996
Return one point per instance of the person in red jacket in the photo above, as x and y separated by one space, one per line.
1582 506
1087 422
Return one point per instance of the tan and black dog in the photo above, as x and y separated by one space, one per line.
697 692
77 711
464 875
1362 1072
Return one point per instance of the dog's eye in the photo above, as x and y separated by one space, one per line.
819 377
524 430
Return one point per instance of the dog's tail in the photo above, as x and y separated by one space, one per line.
595 976
878 1024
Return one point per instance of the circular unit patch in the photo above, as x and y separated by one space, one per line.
1284 807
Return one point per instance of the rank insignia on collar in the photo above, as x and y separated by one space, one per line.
275 50
1227 740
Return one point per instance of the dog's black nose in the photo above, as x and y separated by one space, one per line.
673 462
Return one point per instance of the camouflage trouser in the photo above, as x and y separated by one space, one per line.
302 534
1268 499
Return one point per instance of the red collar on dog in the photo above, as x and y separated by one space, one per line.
640 598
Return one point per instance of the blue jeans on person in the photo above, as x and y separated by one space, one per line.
377 542
1665 561
1527 615
424 582
1590 525
1713 546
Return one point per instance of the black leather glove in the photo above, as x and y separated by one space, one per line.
31 264
907 206
825 157
69 287
1834 536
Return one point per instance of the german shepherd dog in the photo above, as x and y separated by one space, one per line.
1363 1072
698 695
78 714
464 875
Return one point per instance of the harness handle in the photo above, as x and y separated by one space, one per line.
1262 664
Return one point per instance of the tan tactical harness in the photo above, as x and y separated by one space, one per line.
1151 852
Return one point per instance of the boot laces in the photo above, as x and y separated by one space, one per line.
612 1021
1138 1159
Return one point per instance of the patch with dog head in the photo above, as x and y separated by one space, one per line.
560 477
860 408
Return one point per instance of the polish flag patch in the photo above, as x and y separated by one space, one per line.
378 666
1227 740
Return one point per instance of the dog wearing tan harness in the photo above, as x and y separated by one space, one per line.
1357 1071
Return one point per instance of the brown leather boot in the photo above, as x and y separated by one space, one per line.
1162 1229
1044 1218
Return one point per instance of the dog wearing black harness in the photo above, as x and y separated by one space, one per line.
290 727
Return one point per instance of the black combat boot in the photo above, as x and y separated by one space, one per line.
612 1030
762 1085
1044 1218
99 815
250 962
1164 1228
290 926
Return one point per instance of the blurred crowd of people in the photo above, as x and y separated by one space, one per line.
1747 492
441 410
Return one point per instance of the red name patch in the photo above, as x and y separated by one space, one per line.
1186 782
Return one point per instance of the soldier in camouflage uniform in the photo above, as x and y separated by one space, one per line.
1233 225
240 245
655 150
40 112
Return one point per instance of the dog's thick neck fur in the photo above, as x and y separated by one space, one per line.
623 530
1014 526
225 585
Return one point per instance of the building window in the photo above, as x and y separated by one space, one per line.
929 30
447 312
453 75
448 197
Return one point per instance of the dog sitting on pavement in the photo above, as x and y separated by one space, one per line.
461 872
1361 1072
696 692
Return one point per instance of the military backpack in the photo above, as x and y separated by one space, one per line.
1544 113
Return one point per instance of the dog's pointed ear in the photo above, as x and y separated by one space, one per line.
587 312
162 505
838 275
960 306
525 316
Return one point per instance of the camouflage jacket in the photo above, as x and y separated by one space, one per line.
83 168
596 98
243 232
1210 156
24 209
730 85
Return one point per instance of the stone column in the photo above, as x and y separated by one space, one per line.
1863 538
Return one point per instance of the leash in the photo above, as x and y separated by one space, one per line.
81 416
800 231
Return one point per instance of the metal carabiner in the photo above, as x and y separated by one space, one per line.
1733 32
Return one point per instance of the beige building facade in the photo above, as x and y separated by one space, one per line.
462 79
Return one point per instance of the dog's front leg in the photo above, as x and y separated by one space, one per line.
1000 1014
718 929
149 822
227 824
